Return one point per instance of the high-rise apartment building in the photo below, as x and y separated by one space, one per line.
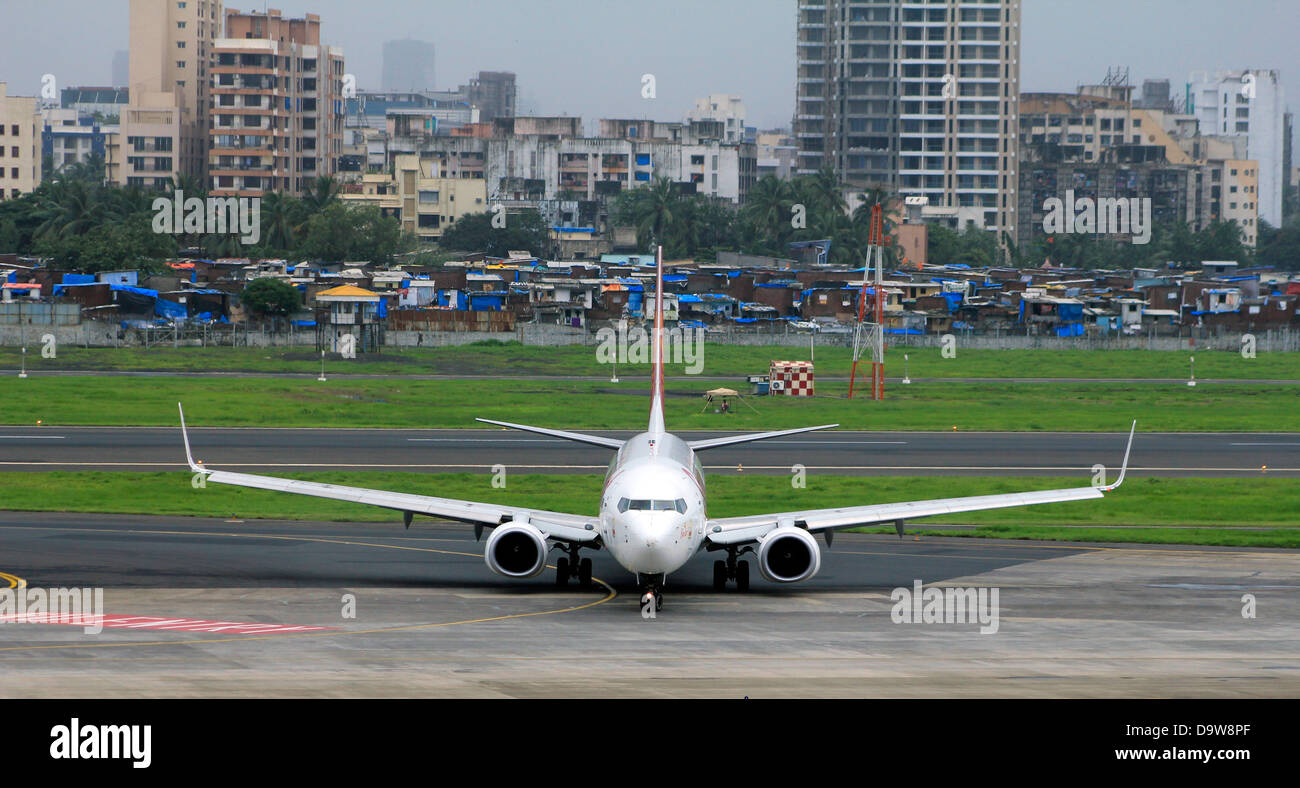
277 106
408 65
919 97
164 126
1247 104
20 144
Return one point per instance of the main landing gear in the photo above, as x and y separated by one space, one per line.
732 569
571 566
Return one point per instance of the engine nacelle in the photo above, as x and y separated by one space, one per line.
516 550
788 555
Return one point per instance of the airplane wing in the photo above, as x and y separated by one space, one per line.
554 525
739 530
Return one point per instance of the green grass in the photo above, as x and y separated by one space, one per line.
1280 537
76 400
1271 505
720 360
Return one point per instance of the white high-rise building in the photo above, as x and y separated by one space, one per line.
1247 104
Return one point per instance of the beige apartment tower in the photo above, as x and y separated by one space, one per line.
20 144
277 106
164 126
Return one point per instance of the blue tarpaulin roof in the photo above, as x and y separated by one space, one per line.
137 290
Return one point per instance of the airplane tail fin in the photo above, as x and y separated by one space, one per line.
657 360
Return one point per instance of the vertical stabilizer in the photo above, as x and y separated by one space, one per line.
657 350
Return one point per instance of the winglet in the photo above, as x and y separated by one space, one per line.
1124 468
185 436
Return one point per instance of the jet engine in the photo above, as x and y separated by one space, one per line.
516 550
788 555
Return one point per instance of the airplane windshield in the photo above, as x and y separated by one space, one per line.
643 505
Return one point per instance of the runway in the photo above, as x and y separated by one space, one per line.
835 451
432 621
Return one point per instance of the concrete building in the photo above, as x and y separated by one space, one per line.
20 144
1248 104
164 127
725 109
277 106
430 202
921 99
492 93
556 163
778 155
69 137
408 65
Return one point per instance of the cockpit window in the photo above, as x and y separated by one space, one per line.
678 505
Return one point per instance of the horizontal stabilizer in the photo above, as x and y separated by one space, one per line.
593 440
713 443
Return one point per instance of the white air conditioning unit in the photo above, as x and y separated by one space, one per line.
777 385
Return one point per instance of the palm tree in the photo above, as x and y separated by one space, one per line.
825 189
768 215
69 208
653 210
277 221
324 190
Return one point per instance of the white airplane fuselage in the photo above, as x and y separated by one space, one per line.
652 507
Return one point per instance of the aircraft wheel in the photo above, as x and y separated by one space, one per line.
584 573
562 572
719 575
742 576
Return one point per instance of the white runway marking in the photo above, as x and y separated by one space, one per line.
785 468
32 437
562 441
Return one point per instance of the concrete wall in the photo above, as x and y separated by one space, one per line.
101 334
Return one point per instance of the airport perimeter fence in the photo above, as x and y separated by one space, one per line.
93 333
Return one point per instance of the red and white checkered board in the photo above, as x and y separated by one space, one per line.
796 375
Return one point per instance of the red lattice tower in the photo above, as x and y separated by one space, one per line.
872 333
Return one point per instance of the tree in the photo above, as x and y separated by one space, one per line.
341 232
111 246
474 232
270 297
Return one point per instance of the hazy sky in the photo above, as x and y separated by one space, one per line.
586 57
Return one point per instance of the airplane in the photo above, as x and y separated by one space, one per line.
652 515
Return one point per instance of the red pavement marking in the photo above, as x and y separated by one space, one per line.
158 623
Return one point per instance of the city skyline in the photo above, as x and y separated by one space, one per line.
712 54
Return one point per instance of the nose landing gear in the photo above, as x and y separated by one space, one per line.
732 569
652 592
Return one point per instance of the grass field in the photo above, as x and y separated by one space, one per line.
720 360
77 400
1272 505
